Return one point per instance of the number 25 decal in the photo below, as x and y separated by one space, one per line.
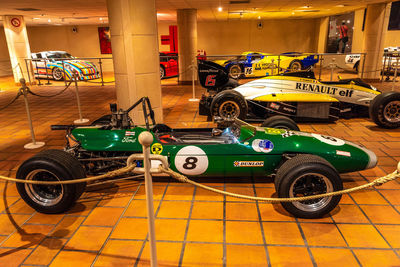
191 160
210 80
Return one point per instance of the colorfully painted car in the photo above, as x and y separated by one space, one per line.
255 64
298 95
304 164
168 64
389 60
60 65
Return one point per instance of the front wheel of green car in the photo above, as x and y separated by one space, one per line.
280 122
307 175
51 165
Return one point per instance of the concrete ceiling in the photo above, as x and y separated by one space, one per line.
80 12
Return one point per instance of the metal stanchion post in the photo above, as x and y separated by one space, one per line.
193 67
320 67
65 80
395 73
47 73
81 120
383 67
332 65
279 63
24 91
27 70
101 72
363 65
145 139
38 74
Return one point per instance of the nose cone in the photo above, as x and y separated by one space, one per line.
373 160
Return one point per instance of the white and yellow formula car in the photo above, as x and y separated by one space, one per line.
297 95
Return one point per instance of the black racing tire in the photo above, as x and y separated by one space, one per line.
51 165
295 65
308 175
356 66
229 104
384 110
162 72
57 74
280 122
103 120
235 71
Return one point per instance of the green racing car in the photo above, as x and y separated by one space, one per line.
302 164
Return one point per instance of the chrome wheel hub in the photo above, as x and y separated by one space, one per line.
311 184
391 111
45 195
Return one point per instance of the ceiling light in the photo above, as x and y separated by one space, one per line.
339 6
292 12
220 8
49 20
100 18
305 6
36 18
259 17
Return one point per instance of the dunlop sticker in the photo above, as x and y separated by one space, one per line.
248 164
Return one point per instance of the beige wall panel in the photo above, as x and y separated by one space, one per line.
392 38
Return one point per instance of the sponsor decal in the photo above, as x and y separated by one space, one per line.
191 160
274 131
288 134
130 133
274 106
156 148
329 140
264 146
343 153
248 164
289 110
210 80
129 139
318 88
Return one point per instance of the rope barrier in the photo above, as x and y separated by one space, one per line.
59 93
377 182
98 177
12 101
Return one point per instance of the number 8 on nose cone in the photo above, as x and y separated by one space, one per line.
191 160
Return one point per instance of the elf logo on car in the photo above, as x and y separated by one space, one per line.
260 145
191 160
316 88
329 140
210 80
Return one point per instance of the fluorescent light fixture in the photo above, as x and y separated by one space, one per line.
339 6
35 18
100 18
49 20
259 17
220 8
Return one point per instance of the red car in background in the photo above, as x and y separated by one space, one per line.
168 64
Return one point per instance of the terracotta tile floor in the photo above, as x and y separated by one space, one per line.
194 227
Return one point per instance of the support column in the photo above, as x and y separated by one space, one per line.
134 40
18 45
322 34
376 24
187 43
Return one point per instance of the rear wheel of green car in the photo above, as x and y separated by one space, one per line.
307 175
51 165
